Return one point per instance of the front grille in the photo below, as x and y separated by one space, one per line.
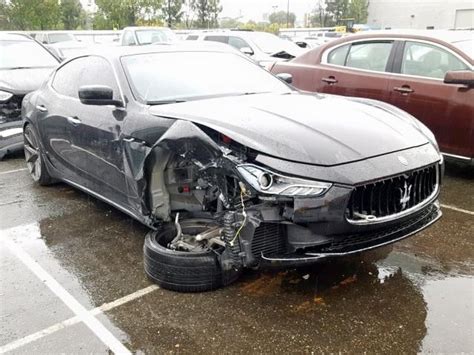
11 111
397 231
269 239
390 196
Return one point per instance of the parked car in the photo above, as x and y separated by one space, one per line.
54 37
262 47
24 65
426 73
139 36
230 172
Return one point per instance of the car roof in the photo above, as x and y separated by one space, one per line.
443 35
116 52
7 36
145 28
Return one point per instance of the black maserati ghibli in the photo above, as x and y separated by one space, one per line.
228 165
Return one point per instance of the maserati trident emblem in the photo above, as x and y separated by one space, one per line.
403 160
405 193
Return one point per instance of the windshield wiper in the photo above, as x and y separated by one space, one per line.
164 102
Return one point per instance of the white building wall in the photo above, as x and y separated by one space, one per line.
420 14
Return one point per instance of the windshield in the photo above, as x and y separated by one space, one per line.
466 46
20 54
155 36
156 77
60 37
269 43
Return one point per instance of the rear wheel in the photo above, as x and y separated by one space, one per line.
185 271
34 158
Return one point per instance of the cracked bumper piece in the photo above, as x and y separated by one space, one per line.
354 243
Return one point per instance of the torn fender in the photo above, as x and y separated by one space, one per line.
183 138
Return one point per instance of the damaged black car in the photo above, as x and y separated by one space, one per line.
228 165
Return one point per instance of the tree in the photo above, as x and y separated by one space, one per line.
320 17
173 11
338 9
359 10
207 12
33 14
119 14
71 14
283 18
4 22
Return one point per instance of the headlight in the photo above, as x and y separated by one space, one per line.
5 96
268 182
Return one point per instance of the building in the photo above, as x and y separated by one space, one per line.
421 14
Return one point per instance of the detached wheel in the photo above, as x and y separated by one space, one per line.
185 271
34 158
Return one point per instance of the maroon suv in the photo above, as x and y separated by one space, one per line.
426 73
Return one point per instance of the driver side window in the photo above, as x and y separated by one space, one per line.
423 59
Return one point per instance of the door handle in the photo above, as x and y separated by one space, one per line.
41 108
73 120
330 80
404 90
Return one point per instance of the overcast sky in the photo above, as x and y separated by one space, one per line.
254 9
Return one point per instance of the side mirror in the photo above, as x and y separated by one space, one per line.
247 50
287 78
98 95
462 77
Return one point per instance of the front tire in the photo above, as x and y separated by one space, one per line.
180 270
34 157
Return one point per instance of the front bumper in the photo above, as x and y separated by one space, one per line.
342 245
11 137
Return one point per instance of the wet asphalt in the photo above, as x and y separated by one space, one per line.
414 296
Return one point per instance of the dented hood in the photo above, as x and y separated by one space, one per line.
312 129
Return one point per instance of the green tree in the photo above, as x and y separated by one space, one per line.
4 22
337 9
112 14
283 18
173 11
229 22
72 14
33 14
359 10
207 13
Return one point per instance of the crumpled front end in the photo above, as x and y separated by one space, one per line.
268 216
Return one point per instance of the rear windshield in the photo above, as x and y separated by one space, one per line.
466 46
21 54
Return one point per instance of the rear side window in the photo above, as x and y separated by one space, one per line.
191 38
222 39
128 39
338 55
238 43
369 55
423 59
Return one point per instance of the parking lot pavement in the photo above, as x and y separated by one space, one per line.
72 281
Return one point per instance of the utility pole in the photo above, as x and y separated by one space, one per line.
169 13
288 15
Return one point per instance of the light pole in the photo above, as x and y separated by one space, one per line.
288 15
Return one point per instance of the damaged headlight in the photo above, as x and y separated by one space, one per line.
5 96
268 182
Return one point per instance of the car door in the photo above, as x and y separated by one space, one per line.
95 132
56 104
360 68
418 88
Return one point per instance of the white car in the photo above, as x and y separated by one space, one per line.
263 47
139 36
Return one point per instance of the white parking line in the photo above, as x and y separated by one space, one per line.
457 209
12 171
74 320
93 323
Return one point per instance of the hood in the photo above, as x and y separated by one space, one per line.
23 81
306 128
